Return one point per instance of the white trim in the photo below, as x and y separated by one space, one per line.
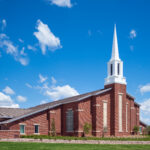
79 131
79 110
104 101
97 105
126 117
105 115
132 108
22 124
120 103
52 112
97 131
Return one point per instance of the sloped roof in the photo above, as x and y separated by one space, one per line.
17 114
12 112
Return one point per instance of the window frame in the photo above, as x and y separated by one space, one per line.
23 128
70 124
36 125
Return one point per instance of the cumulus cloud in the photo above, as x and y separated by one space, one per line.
30 47
42 78
133 34
145 111
43 102
8 90
20 40
53 80
62 3
6 101
59 92
145 106
4 24
28 85
145 88
55 92
21 98
46 38
11 49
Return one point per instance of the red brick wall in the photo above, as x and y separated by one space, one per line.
89 111
5 134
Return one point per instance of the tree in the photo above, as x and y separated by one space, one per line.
135 129
86 128
53 130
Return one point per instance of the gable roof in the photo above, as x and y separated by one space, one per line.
39 108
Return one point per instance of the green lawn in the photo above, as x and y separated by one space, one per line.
140 138
46 146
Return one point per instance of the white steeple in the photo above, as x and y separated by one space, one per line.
115 65
115 53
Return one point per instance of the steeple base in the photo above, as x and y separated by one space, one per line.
115 79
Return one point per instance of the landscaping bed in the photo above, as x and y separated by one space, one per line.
132 138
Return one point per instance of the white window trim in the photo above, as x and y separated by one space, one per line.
24 128
105 114
120 103
126 117
38 128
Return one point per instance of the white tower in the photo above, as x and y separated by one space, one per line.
115 65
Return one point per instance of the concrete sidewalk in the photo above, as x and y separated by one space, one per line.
74 141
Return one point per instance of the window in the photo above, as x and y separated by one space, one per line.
22 129
105 114
69 120
118 69
120 112
111 69
36 127
140 129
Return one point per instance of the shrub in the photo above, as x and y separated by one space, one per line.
135 129
86 129
53 130
104 131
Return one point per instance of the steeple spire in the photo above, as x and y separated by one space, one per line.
115 65
115 52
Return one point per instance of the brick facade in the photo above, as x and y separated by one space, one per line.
89 110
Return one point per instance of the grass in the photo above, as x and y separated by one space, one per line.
48 146
146 138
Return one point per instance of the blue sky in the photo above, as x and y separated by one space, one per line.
50 49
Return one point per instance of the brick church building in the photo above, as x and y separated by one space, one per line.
111 108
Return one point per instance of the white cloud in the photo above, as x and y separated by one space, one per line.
22 52
145 111
43 102
28 85
131 47
11 49
145 88
8 90
42 78
53 80
6 101
62 3
46 38
30 47
21 98
4 24
133 34
59 92
20 40
145 106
